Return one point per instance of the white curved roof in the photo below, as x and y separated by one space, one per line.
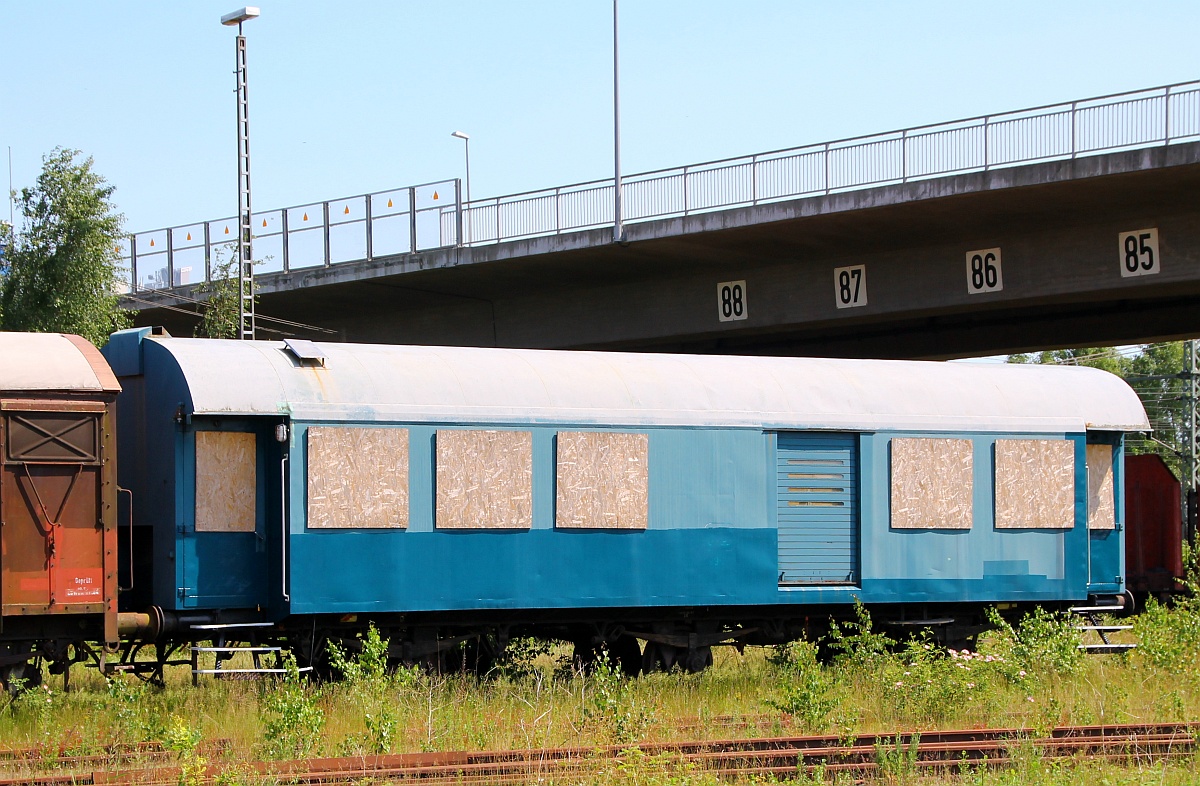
52 362
455 384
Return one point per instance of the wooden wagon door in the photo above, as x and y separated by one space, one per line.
817 481
51 530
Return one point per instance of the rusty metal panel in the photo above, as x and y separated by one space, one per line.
1102 501
52 539
932 483
1035 484
602 480
357 477
57 502
226 481
484 479
51 405
52 437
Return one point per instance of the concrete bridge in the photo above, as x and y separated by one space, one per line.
1054 226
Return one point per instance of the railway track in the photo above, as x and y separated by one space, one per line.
778 757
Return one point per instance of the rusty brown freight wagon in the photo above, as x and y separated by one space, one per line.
58 494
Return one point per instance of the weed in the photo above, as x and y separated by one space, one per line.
183 740
366 668
1169 637
805 687
610 706
1045 642
855 644
294 723
127 706
519 660
897 762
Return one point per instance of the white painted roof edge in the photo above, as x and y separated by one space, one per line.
375 383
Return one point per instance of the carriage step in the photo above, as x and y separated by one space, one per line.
232 625
250 671
236 649
145 666
1096 609
1107 647
1103 627
921 623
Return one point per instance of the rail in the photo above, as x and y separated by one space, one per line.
910 754
433 215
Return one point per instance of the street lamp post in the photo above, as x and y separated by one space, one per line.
245 232
618 219
466 138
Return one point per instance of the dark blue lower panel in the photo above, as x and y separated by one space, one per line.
540 569
545 569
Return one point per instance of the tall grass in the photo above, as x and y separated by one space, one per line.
1025 676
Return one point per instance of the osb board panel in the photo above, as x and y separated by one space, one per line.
484 479
1035 484
226 480
602 480
932 483
1102 505
357 478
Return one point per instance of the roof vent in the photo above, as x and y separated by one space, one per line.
305 351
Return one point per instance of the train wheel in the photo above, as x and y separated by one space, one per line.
658 657
696 660
17 678
626 655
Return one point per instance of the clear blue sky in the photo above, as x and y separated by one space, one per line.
351 97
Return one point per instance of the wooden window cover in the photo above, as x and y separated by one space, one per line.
226 481
932 483
484 479
357 478
602 480
1102 502
1035 484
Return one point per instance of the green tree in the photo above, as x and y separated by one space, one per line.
62 273
222 316
1155 371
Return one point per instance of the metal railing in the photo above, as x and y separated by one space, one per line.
423 218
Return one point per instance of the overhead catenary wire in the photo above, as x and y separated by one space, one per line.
258 316
200 315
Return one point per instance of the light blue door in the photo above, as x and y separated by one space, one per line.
817 478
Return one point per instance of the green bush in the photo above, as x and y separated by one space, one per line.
293 722
1042 643
805 687
856 644
1169 637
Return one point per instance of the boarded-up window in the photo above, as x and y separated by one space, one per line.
484 479
602 480
226 480
1035 484
932 483
357 477
1102 504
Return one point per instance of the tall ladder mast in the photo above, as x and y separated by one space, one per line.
246 326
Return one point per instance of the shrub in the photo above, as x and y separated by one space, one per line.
1044 642
294 723
610 707
804 686
856 644
1169 638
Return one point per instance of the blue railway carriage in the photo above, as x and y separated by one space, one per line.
456 497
